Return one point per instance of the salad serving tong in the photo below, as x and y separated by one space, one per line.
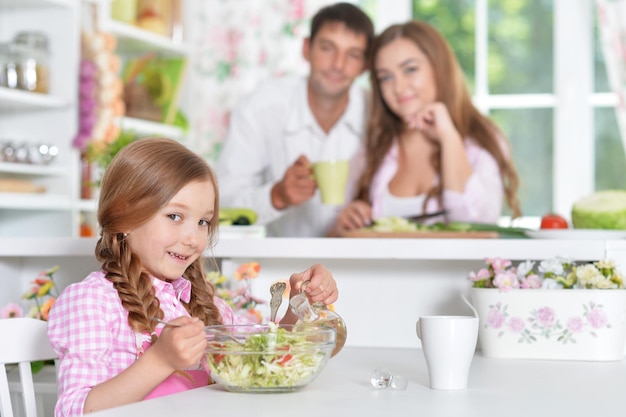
276 290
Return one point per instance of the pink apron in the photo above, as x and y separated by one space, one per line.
178 381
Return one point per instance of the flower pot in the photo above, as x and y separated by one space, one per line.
573 324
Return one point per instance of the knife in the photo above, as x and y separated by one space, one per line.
421 217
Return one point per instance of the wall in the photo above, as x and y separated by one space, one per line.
239 44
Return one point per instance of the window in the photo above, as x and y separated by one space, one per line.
535 67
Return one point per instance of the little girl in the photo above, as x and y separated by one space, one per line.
158 212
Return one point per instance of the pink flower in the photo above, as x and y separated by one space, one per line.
516 324
505 280
530 281
481 275
296 10
545 316
254 315
495 318
597 318
575 324
11 311
32 293
498 264
262 57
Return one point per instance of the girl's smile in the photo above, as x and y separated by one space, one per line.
178 234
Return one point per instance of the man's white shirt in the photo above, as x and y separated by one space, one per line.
269 129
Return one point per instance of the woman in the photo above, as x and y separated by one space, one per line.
428 148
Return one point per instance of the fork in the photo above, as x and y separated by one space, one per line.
167 323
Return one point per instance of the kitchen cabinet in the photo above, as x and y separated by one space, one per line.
133 42
50 119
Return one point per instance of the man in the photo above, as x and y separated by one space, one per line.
278 131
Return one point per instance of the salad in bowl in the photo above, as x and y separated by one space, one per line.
266 357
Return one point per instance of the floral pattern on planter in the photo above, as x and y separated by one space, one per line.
544 323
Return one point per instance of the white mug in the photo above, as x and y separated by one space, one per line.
449 343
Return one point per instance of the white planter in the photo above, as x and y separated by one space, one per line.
551 324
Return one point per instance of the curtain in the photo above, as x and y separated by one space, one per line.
612 30
238 44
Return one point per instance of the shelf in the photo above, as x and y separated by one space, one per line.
88 205
47 246
35 3
132 40
24 100
25 201
43 118
146 127
29 169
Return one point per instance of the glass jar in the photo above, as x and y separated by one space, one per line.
4 59
155 16
177 21
318 314
33 74
124 11
8 65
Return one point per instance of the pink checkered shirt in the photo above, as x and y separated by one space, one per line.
89 330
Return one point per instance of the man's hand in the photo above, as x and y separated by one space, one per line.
296 187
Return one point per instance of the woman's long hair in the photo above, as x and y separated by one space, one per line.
384 125
141 179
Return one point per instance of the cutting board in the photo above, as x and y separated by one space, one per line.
426 234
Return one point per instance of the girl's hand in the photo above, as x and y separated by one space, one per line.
181 347
321 286
355 215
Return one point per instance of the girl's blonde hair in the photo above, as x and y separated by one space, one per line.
384 125
141 179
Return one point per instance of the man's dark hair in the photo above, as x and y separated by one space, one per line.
350 15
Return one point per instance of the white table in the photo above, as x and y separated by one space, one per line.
496 388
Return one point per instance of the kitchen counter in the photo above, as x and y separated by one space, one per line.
383 283
496 387
348 248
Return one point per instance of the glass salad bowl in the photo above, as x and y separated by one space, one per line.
266 357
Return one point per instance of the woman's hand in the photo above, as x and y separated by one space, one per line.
434 122
320 284
181 347
355 215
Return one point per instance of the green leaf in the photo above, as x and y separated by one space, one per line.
102 155
37 366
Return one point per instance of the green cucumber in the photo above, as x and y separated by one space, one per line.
237 216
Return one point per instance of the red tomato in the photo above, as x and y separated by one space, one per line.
553 221
286 358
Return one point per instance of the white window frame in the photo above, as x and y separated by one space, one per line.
573 100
